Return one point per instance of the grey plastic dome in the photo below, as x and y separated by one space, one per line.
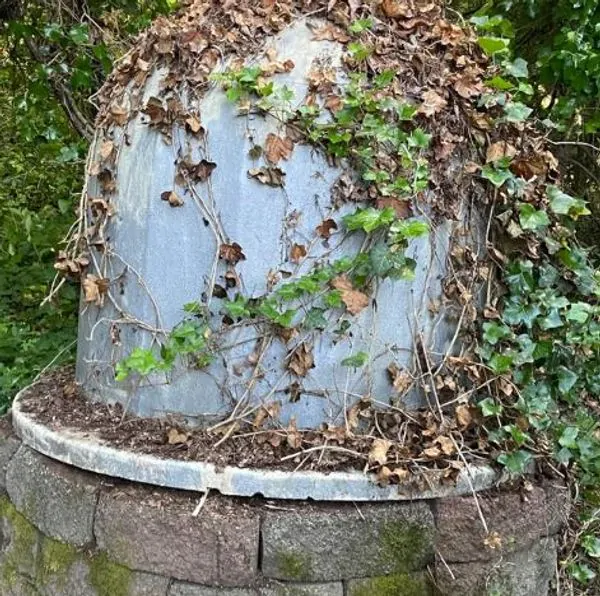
153 255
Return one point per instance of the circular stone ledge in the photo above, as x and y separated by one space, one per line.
89 452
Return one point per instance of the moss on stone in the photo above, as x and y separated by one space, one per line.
392 585
109 578
293 565
56 560
23 544
404 546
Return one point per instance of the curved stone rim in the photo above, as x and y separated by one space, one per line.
84 451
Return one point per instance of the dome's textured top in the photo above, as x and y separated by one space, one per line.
305 177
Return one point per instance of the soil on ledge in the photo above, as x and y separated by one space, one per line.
394 445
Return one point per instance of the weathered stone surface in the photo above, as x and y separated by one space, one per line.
524 573
269 589
402 584
329 544
9 443
155 532
58 499
185 589
19 550
518 522
558 504
65 571
299 589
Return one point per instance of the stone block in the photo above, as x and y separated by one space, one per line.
185 589
401 584
19 549
9 443
517 521
155 531
63 570
336 542
558 506
299 589
523 573
59 500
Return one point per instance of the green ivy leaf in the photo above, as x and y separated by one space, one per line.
409 228
563 204
419 138
515 462
517 68
591 545
237 308
315 319
501 363
490 407
579 312
531 218
566 379
515 111
499 83
497 176
568 438
361 25
495 332
369 219
493 45
581 572
357 360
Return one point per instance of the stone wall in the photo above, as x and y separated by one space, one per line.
67 532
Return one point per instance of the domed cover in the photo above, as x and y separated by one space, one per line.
216 182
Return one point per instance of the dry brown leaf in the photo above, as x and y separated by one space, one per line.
463 416
119 115
468 86
325 228
397 8
155 110
203 170
329 32
446 444
107 181
95 288
493 540
334 103
378 452
172 197
499 150
294 438
355 300
401 380
267 175
432 103
175 437
193 124
301 359
277 148
297 253
448 33
106 149
270 410
432 452
400 206
232 253
529 167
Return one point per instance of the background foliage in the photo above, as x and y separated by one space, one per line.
53 57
